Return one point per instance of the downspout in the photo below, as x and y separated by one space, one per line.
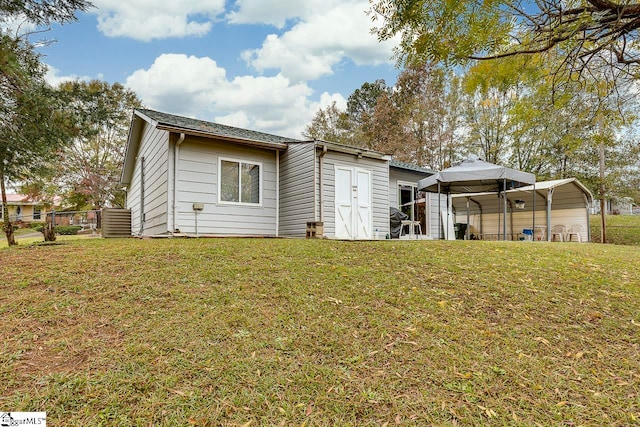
142 213
320 176
176 152
277 193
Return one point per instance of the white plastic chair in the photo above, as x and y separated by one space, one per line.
574 230
558 231
413 227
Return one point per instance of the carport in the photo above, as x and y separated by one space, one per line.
558 203
477 176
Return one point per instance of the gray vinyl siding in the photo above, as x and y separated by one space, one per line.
153 148
396 175
379 192
436 229
297 195
197 182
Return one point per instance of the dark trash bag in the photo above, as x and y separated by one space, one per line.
395 221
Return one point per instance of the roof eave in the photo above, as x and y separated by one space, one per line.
360 152
250 142
412 169
133 143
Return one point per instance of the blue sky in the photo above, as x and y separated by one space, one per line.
264 65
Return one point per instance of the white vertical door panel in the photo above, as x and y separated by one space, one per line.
353 201
344 203
364 209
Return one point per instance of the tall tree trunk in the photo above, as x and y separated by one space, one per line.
603 226
7 225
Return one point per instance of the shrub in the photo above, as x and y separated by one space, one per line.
68 230
36 225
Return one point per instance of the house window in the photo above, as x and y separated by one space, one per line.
37 213
240 182
413 203
407 199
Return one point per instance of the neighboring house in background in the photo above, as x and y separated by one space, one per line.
620 206
191 176
616 206
23 209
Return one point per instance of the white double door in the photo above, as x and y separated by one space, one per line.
353 203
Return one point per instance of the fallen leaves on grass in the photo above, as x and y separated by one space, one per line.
233 332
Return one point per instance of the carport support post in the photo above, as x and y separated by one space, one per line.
439 213
533 221
549 201
467 231
504 222
586 203
449 212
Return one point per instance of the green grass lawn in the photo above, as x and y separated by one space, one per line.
307 332
621 229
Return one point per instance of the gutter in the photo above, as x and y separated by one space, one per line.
277 193
176 153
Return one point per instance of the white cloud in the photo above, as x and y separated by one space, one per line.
53 77
327 99
239 120
178 80
149 19
16 25
198 87
314 46
276 12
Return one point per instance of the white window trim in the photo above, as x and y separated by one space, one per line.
240 162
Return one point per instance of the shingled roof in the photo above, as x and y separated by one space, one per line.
409 166
188 125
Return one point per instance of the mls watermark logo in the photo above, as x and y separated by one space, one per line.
10 419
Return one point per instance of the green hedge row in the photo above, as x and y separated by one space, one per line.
67 230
